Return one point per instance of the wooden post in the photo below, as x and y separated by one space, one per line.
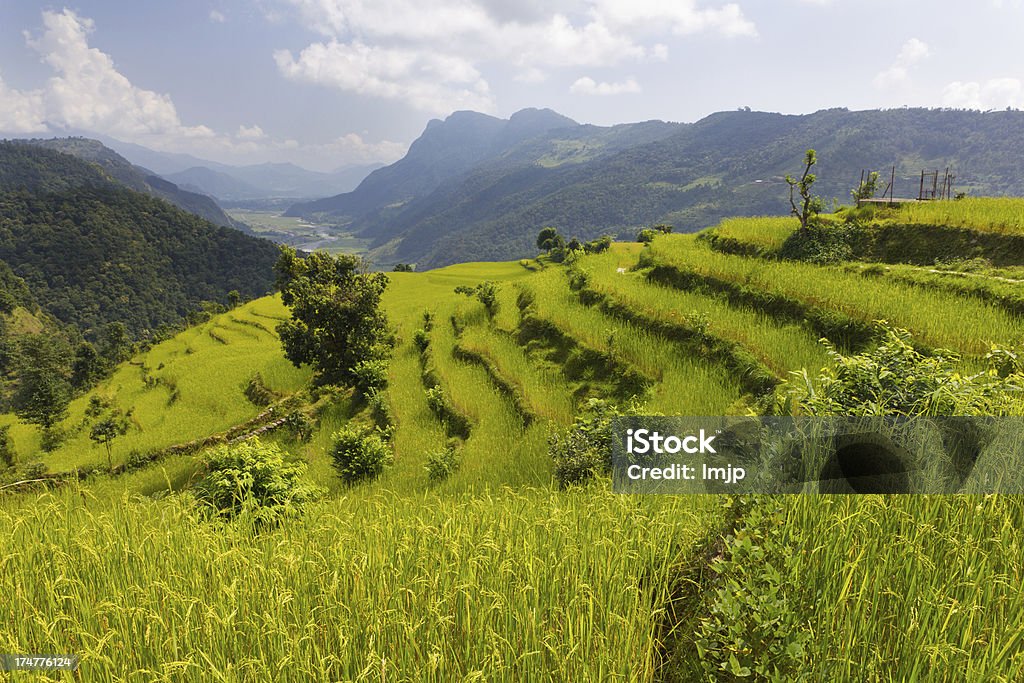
892 185
920 192
935 183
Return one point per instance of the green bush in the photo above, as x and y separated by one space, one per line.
897 379
299 425
7 454
584 450
370 375
360 454
646 236
421 339
442 464
254 480
437 401
822 242
753 628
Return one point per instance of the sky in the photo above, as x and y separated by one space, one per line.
329 83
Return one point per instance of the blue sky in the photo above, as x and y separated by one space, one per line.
329 82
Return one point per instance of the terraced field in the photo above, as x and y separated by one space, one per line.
495 573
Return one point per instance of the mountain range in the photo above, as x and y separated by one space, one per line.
229 184
476 187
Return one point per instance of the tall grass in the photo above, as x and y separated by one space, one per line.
685 385
780 346
937 318
766 233
543 393
515 586
1001 215
912 587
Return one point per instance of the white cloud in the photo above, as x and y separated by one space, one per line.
355 150
913 52
588 86
250 133
995 93
88 93
21 112
433 82
217 16
680 17
387 48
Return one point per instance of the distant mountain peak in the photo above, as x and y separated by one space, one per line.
545 116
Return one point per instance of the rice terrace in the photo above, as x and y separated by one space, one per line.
485 543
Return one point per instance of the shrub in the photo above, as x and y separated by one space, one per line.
646 236
360 454
380 409
753 626
370 375
525 299
299 425
7 454
897 379
485 292
824 243
437 401
442 464
421 339
252 479
584 450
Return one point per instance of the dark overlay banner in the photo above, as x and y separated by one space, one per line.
673 455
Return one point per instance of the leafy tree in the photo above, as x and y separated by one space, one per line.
867 188
115 343
809 205
44 389
336 319
549 240
663 228
234 298
106 431
88 367
7 453
601 244
403 268
646 236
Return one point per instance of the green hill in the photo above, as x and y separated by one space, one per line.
92 251
495 573
139 179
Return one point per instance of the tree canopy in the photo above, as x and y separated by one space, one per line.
336 320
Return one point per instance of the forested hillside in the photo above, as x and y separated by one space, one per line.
139 179
588 180
92 251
